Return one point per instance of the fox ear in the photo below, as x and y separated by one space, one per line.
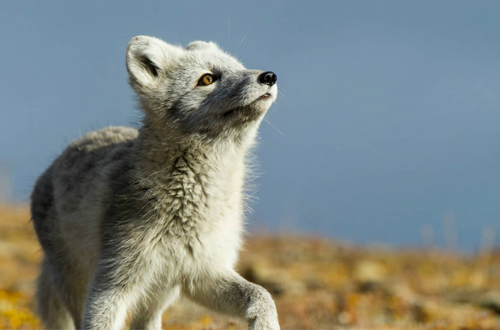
148 59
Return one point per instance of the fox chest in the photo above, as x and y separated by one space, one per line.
200 224
195 242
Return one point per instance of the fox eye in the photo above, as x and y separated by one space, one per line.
206 79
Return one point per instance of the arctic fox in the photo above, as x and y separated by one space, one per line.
129 220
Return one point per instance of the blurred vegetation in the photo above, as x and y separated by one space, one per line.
316 283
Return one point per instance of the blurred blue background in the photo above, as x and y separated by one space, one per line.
390 110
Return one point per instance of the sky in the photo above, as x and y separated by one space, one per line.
388 124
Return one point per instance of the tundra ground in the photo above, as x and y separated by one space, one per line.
316 283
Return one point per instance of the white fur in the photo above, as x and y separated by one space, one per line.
130 220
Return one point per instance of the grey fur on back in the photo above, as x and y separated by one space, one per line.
130 219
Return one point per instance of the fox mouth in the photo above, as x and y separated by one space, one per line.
263 97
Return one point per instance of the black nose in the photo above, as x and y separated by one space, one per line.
268 78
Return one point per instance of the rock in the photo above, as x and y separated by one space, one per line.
491 300
369 271
484 299
274 280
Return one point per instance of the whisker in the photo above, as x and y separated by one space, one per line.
274 127
274 108
242 39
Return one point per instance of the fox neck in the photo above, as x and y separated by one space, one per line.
162 155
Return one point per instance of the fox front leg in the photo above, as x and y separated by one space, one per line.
231 294
110 296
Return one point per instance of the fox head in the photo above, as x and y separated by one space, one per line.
198 90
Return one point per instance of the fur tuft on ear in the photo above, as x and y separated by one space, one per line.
198 45
148 58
